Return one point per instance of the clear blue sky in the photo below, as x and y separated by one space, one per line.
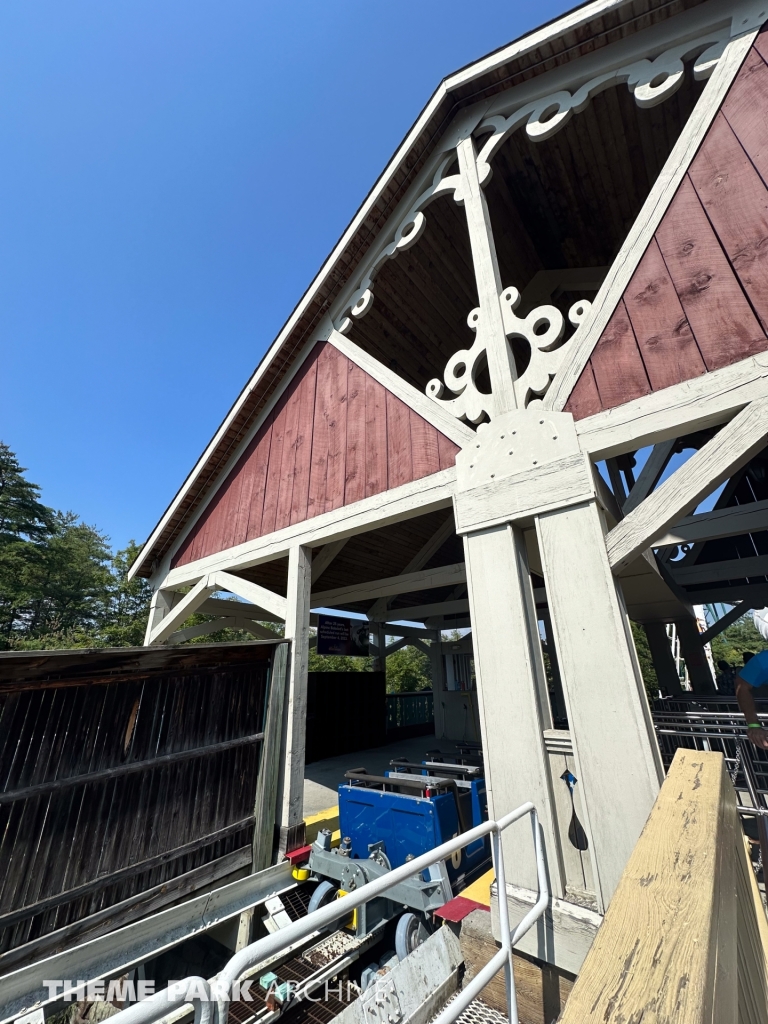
173 173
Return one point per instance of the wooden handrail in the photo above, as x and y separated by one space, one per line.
685 938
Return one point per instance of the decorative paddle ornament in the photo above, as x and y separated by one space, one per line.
576 833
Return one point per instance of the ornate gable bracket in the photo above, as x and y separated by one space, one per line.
543 329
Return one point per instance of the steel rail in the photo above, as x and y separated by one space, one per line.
273 944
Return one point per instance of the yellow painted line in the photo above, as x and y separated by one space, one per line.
480 890
314 823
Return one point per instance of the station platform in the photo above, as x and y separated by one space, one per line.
322 778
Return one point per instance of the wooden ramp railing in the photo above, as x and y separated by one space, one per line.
685 938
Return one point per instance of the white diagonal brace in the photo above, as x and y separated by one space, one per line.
325 556
724 622
649 218
649 475
419 560
720 458
186 607
260 596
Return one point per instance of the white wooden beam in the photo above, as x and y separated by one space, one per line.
412 631
717 572
181 611
426 579
649 475
649 218
424 611
728 451
721 522
419 560
259 596
201 629
423 406
724 622
291 784
501 363
237 609
755 593
696 404
417 498
325 556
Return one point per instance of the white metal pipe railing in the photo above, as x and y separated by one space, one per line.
257 952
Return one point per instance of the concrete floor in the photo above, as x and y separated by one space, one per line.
321 778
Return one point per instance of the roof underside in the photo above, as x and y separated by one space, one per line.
554 204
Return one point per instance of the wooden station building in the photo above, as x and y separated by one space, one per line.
564 264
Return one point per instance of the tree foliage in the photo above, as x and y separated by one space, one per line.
60 583
739 637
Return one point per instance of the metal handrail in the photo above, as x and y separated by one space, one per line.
151 1010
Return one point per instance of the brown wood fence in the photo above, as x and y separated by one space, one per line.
127 780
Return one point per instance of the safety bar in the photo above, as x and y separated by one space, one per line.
151 1010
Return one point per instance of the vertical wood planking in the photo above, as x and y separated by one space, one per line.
288 460
336 436
337 430
745 109
425 456
258 474
447 451
306 398
399 455
376 477
736 202
720 316
354 477
662 331
272 483
619 372
584 400
319 460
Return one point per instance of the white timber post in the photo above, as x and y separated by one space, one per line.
512 697
501 363
618 762
437 666
161 604
291 786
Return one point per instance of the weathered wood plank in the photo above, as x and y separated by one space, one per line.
319 462
736 202
669 946
617 364
399 453
584 400
663 334
425 457
306 402
259 468
354 477
376 476
337 430
725 328
745 108
272 482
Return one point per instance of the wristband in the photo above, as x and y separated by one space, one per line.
754 725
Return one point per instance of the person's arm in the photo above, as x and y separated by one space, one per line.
755 731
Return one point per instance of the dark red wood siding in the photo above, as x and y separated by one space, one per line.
698 299
335 436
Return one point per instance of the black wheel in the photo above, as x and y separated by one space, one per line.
411 932
324 894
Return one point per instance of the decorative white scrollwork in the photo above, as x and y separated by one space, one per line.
542 329
651 81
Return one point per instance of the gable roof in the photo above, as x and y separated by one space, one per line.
583 30
698 299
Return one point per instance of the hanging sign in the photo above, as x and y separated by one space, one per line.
342 636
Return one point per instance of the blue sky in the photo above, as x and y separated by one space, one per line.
172 175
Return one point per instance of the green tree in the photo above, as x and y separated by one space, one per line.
739 637
647 670
407 670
